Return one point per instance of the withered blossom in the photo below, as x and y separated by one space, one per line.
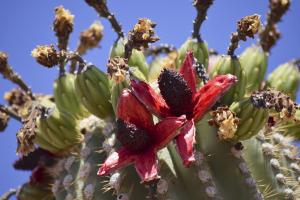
46 55
142 34
90 38
226 121
117 68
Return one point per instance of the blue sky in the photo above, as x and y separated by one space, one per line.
25 24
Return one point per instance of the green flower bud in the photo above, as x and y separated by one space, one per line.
66 98
231 65
92 86
199 49
286 78
251 119
254 62
57 130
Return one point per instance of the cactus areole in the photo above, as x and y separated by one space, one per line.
179 96
141 139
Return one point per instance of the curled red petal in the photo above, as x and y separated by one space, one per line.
207 96
146 166
185 142
116 160
188 72
166 130
152 100
130 109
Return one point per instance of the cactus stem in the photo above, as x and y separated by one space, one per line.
201 7
8 194
11 75
160 49
102 9
10 112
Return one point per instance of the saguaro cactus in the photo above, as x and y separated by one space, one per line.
161 131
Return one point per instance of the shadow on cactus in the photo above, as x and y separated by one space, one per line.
187 125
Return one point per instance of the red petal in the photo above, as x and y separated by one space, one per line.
188 72
116 161
166 130
207 96
146 166
152 100
130 109
185 142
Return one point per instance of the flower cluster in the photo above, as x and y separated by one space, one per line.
178 106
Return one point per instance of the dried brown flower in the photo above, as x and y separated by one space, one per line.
248 26
27 133
142 34
117 68
46 55
227 122
17 100
272 99
4 118
63 26
90 38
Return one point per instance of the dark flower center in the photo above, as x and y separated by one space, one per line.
131 136
176 92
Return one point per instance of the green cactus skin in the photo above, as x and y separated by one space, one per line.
251 119
254 62
34 192
66 98
93 86
231 65
268 164
199 49
137 58
190 179
227 165
285 78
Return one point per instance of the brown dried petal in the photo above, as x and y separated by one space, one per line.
272 99
227 122
117 68
248 26
63 23
46 55
90 38
142 34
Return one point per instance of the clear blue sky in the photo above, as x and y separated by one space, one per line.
25 24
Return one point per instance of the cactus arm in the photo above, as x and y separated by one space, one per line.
229 170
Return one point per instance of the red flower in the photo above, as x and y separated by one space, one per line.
179 96
140 137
